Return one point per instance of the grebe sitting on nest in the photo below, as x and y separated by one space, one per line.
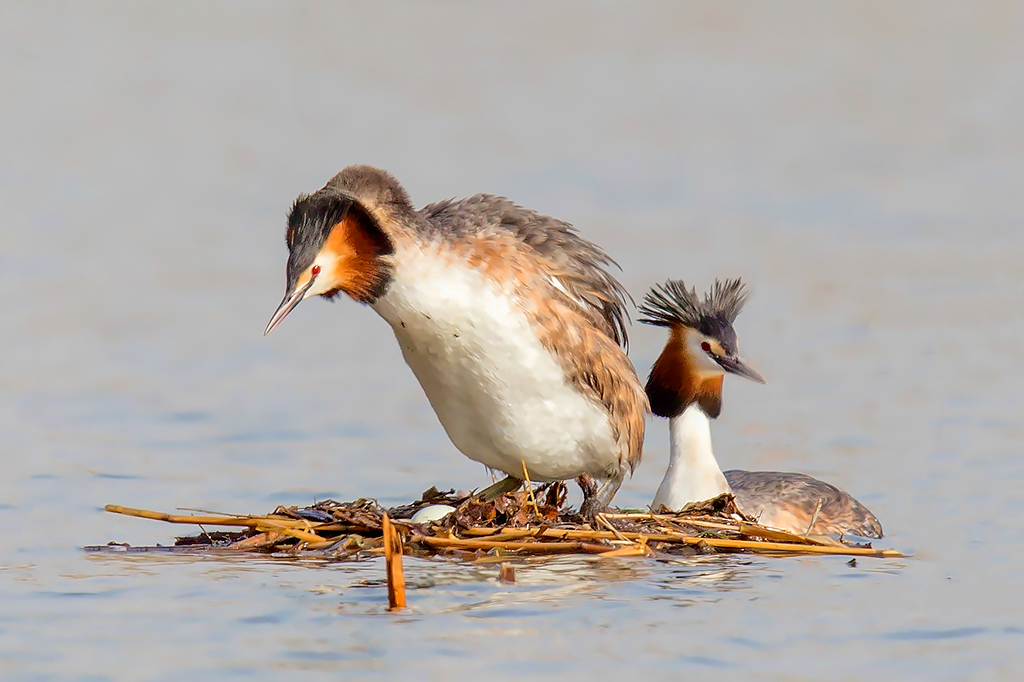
509 319
685 385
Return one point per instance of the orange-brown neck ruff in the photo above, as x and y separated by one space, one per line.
674 383
355 247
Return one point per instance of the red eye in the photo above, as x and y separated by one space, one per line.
316 270
705 346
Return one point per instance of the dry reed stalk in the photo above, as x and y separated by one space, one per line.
676 522
515 534
776 535
393 564
276 523
573 534
262 540
264 525
608 524
827 540
512 533
182 518
632 550
743 527
532 547
722 543
814 519
279 525
529 488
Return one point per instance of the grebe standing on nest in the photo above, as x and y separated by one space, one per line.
509 319
685 385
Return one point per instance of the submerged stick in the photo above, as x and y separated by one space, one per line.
507 574
393 564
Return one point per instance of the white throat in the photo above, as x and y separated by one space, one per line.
693 473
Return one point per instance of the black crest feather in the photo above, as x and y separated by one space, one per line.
671 303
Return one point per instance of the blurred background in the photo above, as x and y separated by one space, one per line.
859 164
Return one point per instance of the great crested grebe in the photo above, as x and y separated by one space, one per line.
685 385
509 319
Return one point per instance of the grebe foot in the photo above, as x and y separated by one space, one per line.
588 484
597 501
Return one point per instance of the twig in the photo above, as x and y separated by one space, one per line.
305 536
678 523
529 488
814 517
265 539
633 550
758 531
742 527
532 547
722 543
607 524
250 521
181 518
510 534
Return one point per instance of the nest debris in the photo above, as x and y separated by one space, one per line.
528 522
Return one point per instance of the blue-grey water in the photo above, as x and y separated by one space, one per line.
861 164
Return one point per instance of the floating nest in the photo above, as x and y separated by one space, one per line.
529 522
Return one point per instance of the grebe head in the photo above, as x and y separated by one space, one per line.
337 241
702 345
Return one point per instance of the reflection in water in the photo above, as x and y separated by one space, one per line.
449 586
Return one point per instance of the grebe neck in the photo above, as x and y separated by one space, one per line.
693 473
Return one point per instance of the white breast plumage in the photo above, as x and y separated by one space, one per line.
501 396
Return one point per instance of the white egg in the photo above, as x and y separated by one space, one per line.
434 512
